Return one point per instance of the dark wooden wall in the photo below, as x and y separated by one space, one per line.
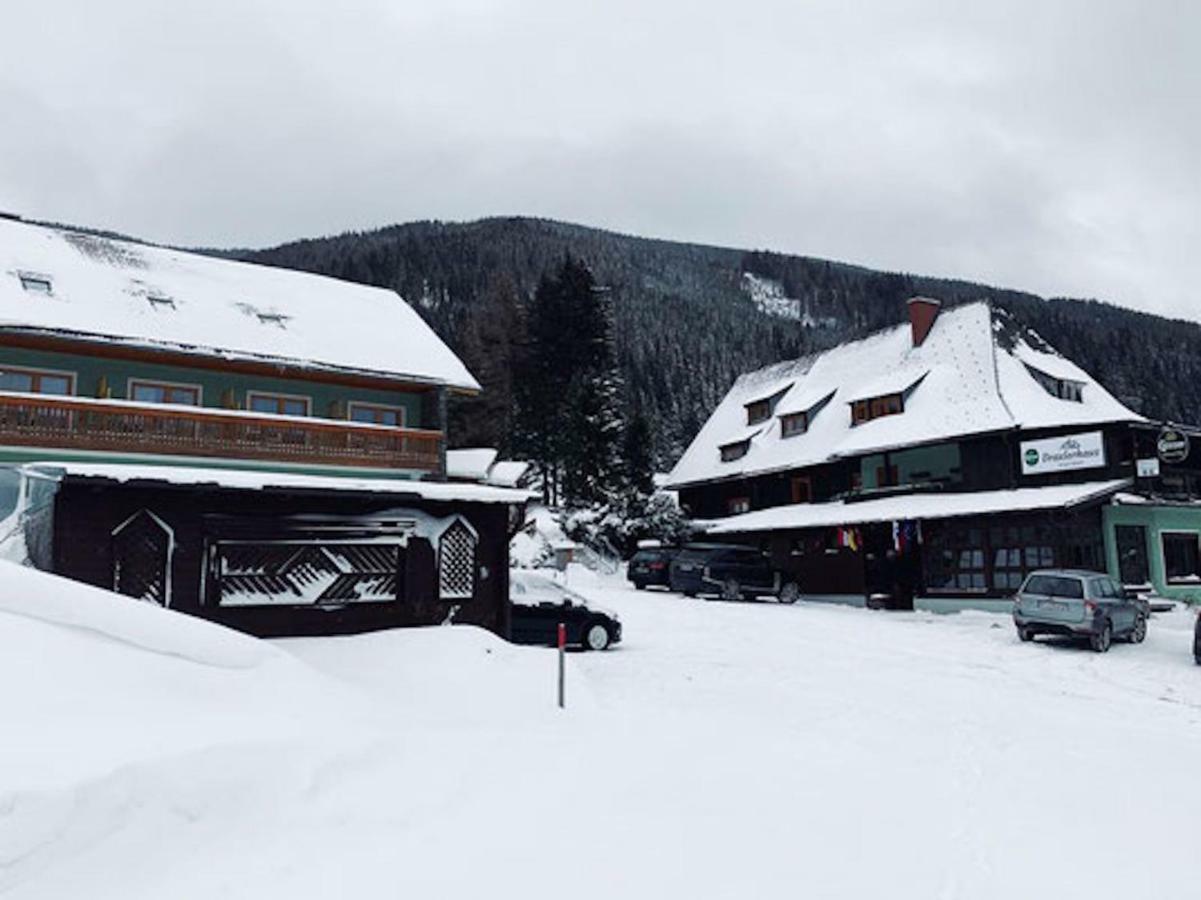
87 511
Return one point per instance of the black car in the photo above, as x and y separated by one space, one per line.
537 606
1197 642
651 567
730 571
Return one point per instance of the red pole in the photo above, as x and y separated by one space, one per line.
562 665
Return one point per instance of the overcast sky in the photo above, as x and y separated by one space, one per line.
1051 146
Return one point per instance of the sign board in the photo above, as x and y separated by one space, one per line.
1060 454
1172 446
1147 468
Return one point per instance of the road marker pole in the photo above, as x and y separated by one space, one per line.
562 665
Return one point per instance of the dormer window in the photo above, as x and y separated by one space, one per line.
759 411
1062 388
158 301
736 450
876 407
794 424
36 284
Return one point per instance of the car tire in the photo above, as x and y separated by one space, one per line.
1139 632
1025 634
690 594
790 592
596 636
640 585
1101 641
731 590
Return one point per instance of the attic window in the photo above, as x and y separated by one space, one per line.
1062 388
793 424
36 284
736 450
876 407
757 412
158 301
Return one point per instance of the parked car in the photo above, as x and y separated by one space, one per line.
538 605
1197 641
651 567
1078 604
729 571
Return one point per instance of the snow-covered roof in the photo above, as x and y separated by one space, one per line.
507 473
974 383
167 299
915 506
470 464
252 480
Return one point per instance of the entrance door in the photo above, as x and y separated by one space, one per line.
1132 554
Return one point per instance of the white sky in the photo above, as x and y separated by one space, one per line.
1051 146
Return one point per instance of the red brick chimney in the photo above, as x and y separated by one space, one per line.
922 313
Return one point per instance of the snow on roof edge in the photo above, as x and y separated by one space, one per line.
250 479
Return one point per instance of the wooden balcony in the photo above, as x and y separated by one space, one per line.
113 426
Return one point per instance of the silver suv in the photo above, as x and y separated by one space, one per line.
1078 604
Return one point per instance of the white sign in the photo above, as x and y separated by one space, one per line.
1147 468
1059 454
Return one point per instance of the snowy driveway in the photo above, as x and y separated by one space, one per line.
723 751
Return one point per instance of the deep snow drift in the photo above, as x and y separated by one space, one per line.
724 750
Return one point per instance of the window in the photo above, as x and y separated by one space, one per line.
164 392
1063 388
956 562
1055 586
875 408
737 450
1181 560
35 381
278 404
802 489
158 301
36 284
793 424
758 411
1132 554
376 414
456 562
738 505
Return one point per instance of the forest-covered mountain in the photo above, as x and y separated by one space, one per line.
689 318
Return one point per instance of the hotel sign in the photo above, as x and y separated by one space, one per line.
1061 454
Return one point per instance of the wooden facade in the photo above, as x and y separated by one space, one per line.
298 561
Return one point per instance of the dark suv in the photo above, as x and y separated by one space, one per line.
650 566
730 571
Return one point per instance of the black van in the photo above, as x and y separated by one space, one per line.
730 571
651 566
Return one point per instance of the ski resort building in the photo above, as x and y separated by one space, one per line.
936 463
262 447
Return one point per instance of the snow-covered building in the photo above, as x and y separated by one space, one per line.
257 445
940 461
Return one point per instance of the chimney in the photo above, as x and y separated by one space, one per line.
922 313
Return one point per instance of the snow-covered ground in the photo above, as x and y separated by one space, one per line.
723 750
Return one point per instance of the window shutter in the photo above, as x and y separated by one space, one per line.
456 562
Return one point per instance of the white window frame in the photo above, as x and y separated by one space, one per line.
308 401
366 404
170 561
29 370
475 559
156 382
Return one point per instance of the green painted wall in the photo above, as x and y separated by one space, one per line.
325 397
1156 519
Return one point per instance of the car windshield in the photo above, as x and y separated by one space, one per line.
1055 586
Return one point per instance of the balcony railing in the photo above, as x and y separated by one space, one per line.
74 423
